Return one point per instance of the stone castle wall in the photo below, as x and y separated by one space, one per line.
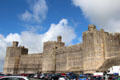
69 59
12 59
93 43
30 63
112 45
98 47
49 54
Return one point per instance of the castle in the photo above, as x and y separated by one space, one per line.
99 51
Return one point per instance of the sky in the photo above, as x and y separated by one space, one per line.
32 22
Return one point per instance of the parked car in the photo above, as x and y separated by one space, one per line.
23 74
30 75
36 76
63 78
82 77
98 77
14 78
72 76
2 75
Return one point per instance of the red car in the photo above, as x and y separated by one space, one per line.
23 74
2 75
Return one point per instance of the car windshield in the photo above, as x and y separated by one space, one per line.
1 74
97 77
82 77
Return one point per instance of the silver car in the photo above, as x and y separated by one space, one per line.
14 78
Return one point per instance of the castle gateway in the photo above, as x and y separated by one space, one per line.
98 51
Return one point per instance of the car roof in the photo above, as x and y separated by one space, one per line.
14 77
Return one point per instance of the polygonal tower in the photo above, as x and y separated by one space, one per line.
49 58
12 58
93 45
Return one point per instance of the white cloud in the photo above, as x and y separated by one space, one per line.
34 41
26 16
105 13
62 29
37 12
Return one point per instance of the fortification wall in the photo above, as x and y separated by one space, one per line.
31 63
69 59
48 62
61 60
90 56
112 45
50 45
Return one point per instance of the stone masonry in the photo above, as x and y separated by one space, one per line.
98 51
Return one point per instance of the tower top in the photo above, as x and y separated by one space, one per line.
59 38
91 27
15 43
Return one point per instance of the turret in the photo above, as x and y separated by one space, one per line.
15 43
91 27
59 39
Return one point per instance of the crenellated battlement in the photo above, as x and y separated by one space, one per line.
91 27
50 45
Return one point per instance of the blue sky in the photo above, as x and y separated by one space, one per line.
33 22
10 12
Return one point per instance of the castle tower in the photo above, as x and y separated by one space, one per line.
91 27
93 45
49 56
12 58
59 39
15 44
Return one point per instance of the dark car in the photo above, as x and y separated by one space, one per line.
30 75
72 76
98 78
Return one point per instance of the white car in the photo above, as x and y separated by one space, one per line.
14 78
63 78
